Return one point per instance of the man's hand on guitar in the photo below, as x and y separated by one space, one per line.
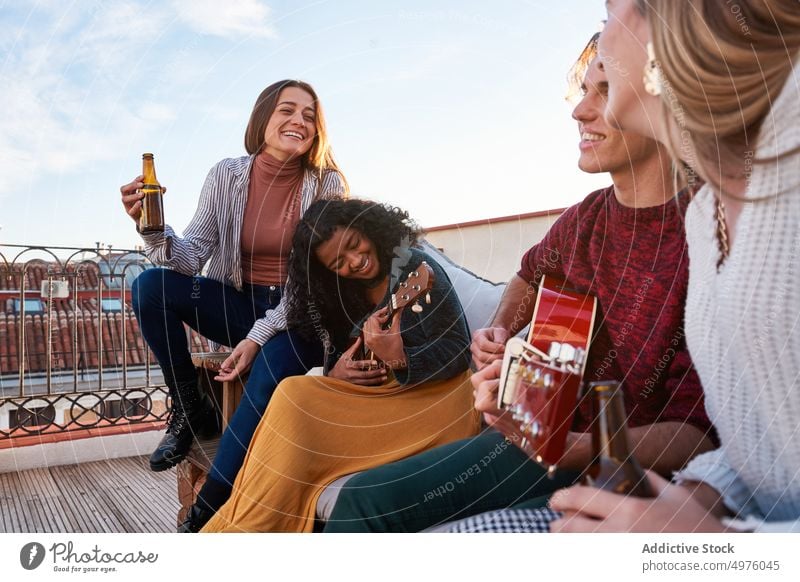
488 345
387 344
486 383
362 372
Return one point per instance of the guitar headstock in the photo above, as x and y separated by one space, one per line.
418 283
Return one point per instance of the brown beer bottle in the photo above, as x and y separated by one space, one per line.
152 218
613 468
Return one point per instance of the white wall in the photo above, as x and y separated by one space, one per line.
492 250
70 452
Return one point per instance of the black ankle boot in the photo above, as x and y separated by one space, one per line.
195 519
191 415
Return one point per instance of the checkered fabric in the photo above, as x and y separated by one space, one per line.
507 521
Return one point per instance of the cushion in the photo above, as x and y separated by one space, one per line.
327 499
479 297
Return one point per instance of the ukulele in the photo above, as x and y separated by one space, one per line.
418 283
541 376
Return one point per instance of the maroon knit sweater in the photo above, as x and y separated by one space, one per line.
634 261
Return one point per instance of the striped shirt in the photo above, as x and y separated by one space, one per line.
214 233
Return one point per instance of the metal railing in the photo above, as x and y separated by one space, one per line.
55 302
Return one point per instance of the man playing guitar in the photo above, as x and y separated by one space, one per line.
625 245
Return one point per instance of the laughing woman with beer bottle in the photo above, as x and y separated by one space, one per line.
241 234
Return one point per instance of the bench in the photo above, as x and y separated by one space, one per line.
479 298
192 471
228 394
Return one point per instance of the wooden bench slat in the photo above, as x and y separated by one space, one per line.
209 360
202 453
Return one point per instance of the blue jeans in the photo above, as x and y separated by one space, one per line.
163 300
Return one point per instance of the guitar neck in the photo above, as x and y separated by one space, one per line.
417 283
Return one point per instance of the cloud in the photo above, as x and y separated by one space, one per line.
428 66
83 79
67 78
231 19
156 112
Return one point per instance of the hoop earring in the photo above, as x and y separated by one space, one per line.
652 73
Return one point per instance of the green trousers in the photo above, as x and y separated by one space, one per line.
451 482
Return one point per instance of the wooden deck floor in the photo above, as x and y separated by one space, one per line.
119 495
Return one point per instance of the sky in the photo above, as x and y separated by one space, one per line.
452 110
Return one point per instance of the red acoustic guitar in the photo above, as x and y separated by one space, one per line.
541 377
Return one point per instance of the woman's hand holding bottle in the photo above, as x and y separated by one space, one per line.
132 198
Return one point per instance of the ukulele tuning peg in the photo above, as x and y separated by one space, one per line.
416 308
428 298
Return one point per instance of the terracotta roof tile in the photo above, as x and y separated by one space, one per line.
75 334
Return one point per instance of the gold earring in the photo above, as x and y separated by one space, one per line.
652 73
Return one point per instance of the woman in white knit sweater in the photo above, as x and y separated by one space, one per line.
721 87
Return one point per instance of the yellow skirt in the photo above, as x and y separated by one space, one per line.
317 429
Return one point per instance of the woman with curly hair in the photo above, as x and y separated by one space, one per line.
349 258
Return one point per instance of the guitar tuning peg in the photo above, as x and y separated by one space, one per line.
416 308
428 298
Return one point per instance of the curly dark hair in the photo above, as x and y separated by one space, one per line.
319 302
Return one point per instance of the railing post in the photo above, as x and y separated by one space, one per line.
147 366
21 333
124 334
75 361
49 341
100 331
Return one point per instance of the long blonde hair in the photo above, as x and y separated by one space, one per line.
724 62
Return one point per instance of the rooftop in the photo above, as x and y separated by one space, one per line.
118 495
80 396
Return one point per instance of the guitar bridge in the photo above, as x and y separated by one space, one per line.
540 391
567 357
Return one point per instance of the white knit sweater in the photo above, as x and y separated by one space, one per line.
743 331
